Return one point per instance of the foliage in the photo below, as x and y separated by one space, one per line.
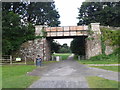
98 82
34 12
44 33
14 76
110 57
55 46
103 46
102 59
107 13
64 49
111 36
14 33
78 46
44 12
99 57
18 20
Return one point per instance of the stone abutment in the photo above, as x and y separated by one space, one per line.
42 46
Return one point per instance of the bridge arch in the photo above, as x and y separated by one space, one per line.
92 46
42 46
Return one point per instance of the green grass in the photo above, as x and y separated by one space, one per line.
64 56
98 82
112 68
14 76
43 62
0 77
101 59
96 62
46 62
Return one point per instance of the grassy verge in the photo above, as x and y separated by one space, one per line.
101 59
46 62
96 62
14 76
64 56
112 68
98 82
0 77
43 62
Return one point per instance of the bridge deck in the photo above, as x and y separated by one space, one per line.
66 31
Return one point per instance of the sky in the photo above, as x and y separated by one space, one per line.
68 10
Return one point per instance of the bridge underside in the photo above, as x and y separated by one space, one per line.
64 37
82 43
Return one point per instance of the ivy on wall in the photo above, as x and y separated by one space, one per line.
110 37
44 33
103 44
90 33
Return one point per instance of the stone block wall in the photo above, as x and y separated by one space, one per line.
93 47
47 50
93 42
35 47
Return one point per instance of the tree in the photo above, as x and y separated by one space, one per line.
14 33
35 12
107 13
19 18
78 46
39 13
64 49
55 46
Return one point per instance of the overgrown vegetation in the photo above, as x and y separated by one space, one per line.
98 82
15 76
110 37
102 59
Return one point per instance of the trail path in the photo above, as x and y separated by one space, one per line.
68 74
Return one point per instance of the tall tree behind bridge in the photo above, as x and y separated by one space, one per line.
78 46
107 13
19 18
35 12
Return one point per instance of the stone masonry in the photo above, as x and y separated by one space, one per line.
42 46
93 42
36 47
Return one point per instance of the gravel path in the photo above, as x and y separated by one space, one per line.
68 74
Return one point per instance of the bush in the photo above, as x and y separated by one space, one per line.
99 57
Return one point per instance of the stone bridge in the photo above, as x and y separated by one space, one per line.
42 46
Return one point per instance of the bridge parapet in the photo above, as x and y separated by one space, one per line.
66 31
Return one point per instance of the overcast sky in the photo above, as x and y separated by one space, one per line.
68 10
